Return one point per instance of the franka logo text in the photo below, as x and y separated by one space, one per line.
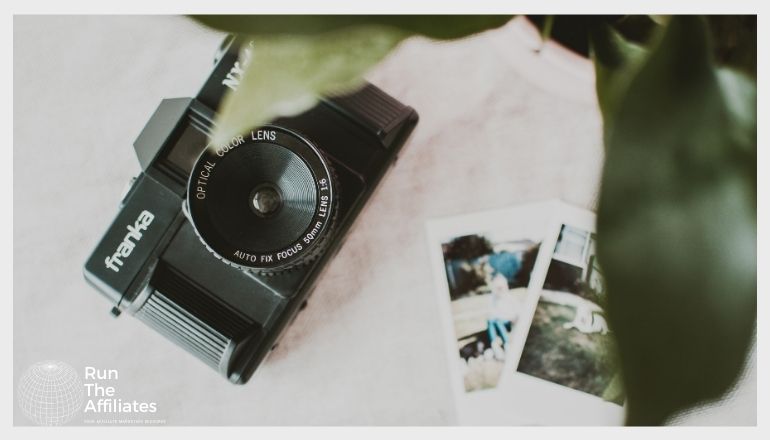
135 231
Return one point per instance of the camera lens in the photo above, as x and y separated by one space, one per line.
264 201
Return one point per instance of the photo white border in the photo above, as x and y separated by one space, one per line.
554 404
490 406
518 398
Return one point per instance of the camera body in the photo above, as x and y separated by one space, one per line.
180 254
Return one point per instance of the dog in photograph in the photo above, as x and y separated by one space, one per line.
587 321
588 315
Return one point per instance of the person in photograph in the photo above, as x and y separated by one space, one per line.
497 317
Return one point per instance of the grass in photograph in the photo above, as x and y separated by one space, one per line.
569 357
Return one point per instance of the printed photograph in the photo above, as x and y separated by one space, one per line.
569 342
487 275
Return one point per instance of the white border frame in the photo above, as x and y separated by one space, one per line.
491 406
555 404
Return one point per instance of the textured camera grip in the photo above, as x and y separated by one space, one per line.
193 319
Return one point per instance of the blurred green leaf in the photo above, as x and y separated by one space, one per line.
432 26
735 41
545 30
677 225
616 62
660 19
638 28
285 74
297 58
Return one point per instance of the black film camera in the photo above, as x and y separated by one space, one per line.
217 247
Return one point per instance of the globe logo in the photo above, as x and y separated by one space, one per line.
50 393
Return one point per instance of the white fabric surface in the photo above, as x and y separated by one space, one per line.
500 124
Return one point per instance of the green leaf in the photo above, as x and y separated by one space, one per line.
285 74
297 58
660 19
545 31
432 26
638 28
677 225
735 41
616 62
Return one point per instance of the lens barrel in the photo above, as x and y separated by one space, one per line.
265 201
